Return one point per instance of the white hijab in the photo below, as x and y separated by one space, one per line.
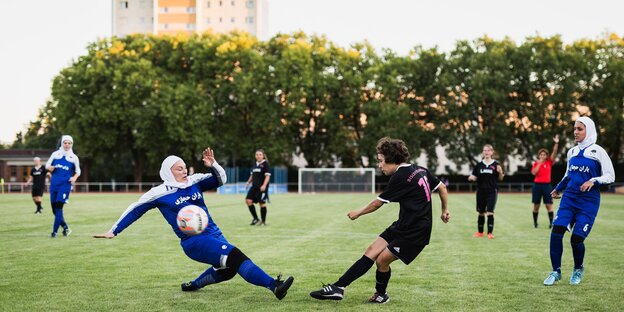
61 151
590 131
167 176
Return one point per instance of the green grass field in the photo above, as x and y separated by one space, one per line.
309 237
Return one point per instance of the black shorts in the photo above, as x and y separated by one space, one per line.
257 196
486 200
402 249
36 192
542 190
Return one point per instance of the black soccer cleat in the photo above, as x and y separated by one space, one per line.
189 286
281 287
67 231
53 235
328 292
254 221
379 298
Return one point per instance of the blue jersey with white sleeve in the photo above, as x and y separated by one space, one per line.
169 200
591 163
65 166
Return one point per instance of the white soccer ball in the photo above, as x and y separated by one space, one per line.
192 220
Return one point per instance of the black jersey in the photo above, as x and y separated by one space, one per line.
38 177
258 173
411 186
487 175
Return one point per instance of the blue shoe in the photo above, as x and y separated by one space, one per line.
552 278
577 276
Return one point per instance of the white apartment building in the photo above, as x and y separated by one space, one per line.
189 16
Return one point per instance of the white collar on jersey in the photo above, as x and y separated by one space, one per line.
257 163
590 130
492 160
167 176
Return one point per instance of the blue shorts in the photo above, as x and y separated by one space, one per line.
60 194
208 249
578 214
542 190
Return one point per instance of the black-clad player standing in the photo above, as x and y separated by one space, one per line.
37 178
487 173
259 191
411 186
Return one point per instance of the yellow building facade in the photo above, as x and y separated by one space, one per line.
189 16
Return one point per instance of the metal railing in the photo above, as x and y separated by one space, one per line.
13 187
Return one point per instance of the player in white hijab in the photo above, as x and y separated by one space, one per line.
589 166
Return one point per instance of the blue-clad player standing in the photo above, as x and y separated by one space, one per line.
65 168
589 166
211 247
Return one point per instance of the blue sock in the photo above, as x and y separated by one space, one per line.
209 276
578 251
254 275
556 250
58 218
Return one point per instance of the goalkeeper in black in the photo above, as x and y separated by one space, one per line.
411 186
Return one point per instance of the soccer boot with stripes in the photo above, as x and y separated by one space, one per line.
328 292
379 298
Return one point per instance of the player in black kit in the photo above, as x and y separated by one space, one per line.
37 178
411 186
259 191
487 173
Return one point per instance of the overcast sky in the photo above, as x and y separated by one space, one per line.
40 37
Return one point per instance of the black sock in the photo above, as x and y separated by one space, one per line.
535 214
358 269
480 222
263 212
382 281
252 209
550 216
490 224
39 208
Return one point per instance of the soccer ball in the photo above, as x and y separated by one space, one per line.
192 220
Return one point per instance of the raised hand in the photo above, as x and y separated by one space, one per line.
208 157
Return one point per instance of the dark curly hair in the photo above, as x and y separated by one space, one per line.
394 150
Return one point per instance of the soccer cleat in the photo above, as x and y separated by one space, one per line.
535 225
67 231
552 278
254 221
577 276
328 292
379 298
550 226
189 286
490 236
53 235
478 234
281 287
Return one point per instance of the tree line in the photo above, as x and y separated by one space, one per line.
129 101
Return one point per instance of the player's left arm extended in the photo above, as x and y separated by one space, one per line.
443 193
372 206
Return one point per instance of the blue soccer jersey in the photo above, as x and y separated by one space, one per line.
65 166
591 163
169 200
579 209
